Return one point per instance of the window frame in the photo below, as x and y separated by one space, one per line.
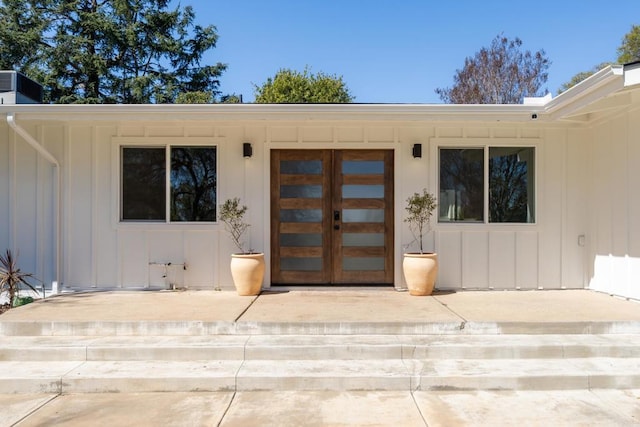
166 143
485 144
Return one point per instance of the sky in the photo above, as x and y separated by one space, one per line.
400 51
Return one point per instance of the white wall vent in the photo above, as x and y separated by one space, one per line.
16 88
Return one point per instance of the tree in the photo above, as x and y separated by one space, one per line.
629 50
500 74
108 51
581 76
293 87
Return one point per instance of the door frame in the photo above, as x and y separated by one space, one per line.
332 179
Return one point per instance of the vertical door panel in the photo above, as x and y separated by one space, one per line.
363 235
299 221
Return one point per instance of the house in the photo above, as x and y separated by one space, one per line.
541 195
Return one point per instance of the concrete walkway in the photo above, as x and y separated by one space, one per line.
336 311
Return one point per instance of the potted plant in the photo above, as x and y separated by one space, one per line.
420 268
12 278
247 266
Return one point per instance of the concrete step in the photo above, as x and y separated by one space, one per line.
305 347
528 374
337 375
197 327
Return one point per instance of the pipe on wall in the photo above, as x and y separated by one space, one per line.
11 121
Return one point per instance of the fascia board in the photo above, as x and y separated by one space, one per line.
632 74
310 112
606 81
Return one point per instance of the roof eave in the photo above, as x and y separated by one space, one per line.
189 112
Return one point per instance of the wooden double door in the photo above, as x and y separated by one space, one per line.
331 217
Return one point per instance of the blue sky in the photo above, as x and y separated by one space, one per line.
401 51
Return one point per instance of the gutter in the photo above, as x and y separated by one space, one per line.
11 121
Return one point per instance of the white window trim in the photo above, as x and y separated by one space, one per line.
158 142
484 143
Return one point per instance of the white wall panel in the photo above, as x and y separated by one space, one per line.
618 188
165 247
349 134
25 220
475 259
133 258
527 254
6 180
633 288
51 138
578 212
633 188
602 199
551 203
381 134
202 259
78 212
633 197
106 244
502 250
317 134
449 250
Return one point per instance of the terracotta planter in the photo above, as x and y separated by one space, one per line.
247 271
420 272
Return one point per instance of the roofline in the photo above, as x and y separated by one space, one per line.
71 112
606 81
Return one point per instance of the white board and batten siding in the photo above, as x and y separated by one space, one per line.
541 255
615 210
587 229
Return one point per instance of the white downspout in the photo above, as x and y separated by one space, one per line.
11 121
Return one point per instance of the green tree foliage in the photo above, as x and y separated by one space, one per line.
499 74
581 76
293 87
629 50
108 51
420 208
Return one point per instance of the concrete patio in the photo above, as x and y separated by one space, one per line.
91 329
342 311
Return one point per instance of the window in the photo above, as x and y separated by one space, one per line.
494 180
190 184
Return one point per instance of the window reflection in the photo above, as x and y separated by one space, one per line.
510 178
362 167
461 184
511 184
362 239
301 191
301 215
143 184
351 191
300 239
295 167
193 184
363 215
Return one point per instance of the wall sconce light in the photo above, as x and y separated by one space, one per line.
247 150
417 151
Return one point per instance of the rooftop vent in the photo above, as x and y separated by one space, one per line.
16 88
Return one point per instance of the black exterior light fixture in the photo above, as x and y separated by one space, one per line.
247 150
417 151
